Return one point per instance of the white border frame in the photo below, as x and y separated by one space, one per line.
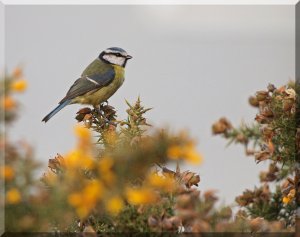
149 2
3 3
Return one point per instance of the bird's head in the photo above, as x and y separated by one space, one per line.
115 56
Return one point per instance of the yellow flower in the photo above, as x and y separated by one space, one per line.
82 211
186 152
174 152
82 132
79 159
193 156
286 200
8 103
19 85
105 164
289 197
84 137
105 170
13 196
164 183
87 199
114 205
7 172
141 196
75 199
93 191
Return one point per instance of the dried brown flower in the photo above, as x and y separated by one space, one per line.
262 95
56 164
210 195
221 126
241 138
262 155
189 178
288 104
253 101
267 112
261 119
82 113
246 198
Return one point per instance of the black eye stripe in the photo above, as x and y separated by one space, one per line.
116 54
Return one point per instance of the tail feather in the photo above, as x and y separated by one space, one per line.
57 109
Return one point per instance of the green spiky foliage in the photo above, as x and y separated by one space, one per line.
273 136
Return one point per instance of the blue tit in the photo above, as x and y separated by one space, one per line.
98 82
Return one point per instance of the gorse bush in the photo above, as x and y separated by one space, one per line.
273 138
116 178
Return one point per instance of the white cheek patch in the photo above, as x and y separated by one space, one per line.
114 59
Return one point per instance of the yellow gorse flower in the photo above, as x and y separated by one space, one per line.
84 136
105 165
7 172
161 182
82 133
186 151
85 200
93 190
79 159
174 152
8 103
287 199
81 156
19 85
142 195
114 205
13 196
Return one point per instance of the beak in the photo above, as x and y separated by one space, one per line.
128 57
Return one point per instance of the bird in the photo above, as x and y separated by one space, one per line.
98 82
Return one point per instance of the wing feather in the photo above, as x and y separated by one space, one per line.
89 83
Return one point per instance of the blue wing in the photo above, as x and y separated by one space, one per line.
87 84
94 77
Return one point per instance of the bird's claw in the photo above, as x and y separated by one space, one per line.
106 120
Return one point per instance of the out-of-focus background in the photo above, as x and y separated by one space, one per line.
193 64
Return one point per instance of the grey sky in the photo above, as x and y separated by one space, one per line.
2 32
193 64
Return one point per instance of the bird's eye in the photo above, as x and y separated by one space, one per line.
118 54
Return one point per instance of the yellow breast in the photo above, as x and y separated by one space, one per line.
99 96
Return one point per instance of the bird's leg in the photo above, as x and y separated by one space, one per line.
98 109
101 113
